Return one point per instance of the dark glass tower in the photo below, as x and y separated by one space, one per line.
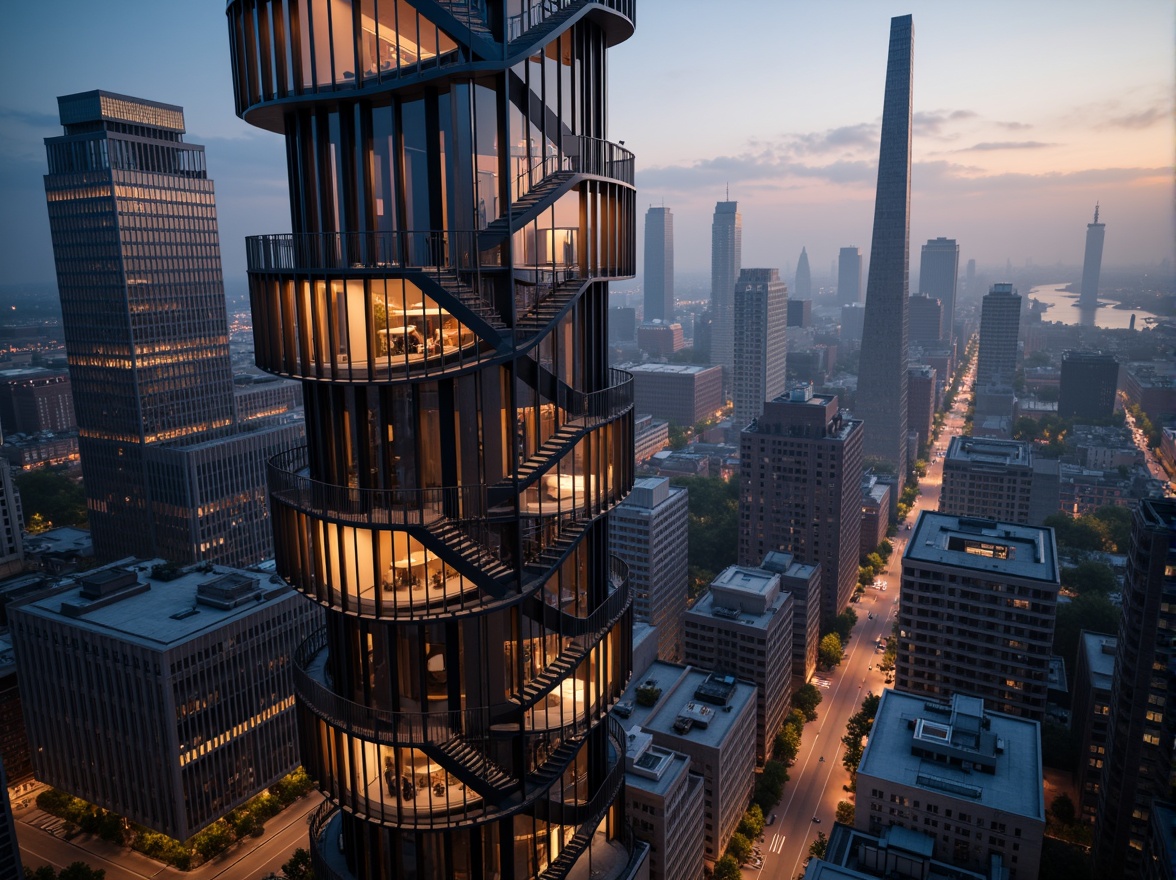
939 269
659 264
882 378
133 218
457 213
726 261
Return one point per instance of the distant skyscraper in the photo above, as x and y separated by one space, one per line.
133 218
659 264
882 379
761 342
804 277
925 321
849 276
726 261
939 268
1092 263
1000 322
1138 765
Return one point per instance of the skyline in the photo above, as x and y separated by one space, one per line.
1070 111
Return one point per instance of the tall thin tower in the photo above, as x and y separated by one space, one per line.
804 277
939 270
659 264
726 261
761 342
458 212
882 378
849 276
1092 263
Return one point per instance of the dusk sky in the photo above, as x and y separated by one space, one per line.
1026 114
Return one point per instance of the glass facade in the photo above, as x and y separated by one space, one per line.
457 212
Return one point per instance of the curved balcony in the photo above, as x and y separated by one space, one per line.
375 51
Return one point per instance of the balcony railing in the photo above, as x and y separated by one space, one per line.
431 251
539 11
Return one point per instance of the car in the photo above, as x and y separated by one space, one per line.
870 616
817 819
772 819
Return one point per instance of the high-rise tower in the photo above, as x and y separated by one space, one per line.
1000 323
1092 263
659 264
133 218
726 261
939 270
882 378
804 277
457 211
761 342
849 276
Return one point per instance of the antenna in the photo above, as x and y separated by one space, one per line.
1096 212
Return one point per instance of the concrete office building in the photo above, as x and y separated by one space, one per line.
35 400
853 324
1142 720
882 387
967 776
800 312
622 324
804 583
726 261
989 479
711 719
921 395
650 435
665 800
1000 320
683 394
894 852
1090 715
648 531
743 626
1092 263
977 612
1089 383
800 489
939 269
658 287
466 438
11 524
161 694
875 512
660 339
804 277
849 276
133 218
926 319
761 343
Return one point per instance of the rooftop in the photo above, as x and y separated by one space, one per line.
673 369
959 749
997 549
988 450
1099 649
138 601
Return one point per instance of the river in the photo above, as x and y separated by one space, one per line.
1063 309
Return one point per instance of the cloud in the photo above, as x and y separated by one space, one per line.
30 117
935 123
1005 145
1143 119
1015 126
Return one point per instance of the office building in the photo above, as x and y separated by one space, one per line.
761 342
894 852
800 312
133 218
1089 383
726 261
1092 263
1142 721
660 339
650 435
14 743
849 276
10 865
800 489
711 719
743 626
1000 321
882 383
875 512
648 531
804 277
466 438
622 324
989 479
35 400
921 394
926 319
665 799
1090 715
162 694
939 269
659 265
977 612
1159 849
966 775
682 394
1152 387
853 324
11 524
804 583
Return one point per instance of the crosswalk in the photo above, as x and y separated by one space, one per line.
776 844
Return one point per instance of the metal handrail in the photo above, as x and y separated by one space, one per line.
538 11
435 251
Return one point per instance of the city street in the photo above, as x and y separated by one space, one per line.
250 860
815 786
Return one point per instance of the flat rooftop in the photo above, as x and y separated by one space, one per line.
710 605
906 724
989 450
158 613
996 549
1100 650
672 369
